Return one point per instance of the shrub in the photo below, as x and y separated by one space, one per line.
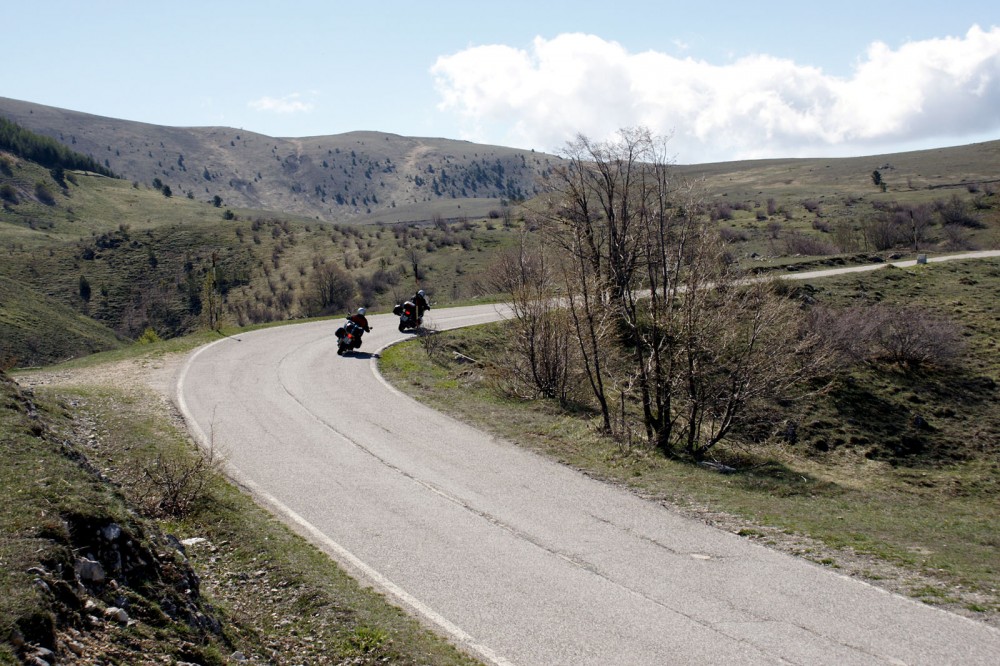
148 336
44 194
881 231
722 211
797 243
731 235
957 237
955 211
8 193
904 335
909 336
173 485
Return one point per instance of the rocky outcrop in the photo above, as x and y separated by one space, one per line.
100 569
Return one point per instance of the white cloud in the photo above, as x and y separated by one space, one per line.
287 104
758 106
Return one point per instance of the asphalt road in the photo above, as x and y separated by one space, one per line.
518 559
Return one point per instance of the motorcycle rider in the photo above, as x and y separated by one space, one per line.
420 300
361 322
360 319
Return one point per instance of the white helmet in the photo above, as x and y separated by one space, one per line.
361 311
420 293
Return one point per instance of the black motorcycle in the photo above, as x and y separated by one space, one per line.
348 337
408 319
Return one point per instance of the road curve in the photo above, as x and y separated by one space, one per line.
518 559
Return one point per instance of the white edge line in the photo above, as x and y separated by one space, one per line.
313 534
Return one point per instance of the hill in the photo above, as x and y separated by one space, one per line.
374 176
131 258
338 178
37 330
210 225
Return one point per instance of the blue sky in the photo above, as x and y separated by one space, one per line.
727 80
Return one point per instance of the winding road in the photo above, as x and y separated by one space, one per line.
517 559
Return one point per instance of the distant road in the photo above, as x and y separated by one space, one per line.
985 254
519 559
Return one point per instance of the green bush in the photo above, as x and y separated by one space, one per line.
148 337
8 193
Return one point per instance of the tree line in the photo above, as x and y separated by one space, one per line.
44 150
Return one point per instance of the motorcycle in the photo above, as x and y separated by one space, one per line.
408 319
348 337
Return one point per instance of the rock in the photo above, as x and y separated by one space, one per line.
43 655
116 614
111 532
90 571
238 657
193 541
717 466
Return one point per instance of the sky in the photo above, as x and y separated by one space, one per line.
725 80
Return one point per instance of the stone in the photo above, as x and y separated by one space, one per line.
117 614
89 570
111 532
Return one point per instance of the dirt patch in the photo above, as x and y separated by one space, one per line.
157 377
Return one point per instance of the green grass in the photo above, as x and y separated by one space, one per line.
936 514
145 259
274 593
36 330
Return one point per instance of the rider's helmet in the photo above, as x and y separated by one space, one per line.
420 293
361 311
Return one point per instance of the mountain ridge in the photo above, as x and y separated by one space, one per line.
336 178
370 176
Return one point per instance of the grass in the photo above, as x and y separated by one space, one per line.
276 597
932 517
130 259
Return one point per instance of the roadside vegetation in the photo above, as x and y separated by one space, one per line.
123 543
890 473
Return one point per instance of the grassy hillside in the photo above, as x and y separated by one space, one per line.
155 253
102 564
134 259
37 330
932 200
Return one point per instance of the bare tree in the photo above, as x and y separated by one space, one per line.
541 339
594 215
646 281
332 289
